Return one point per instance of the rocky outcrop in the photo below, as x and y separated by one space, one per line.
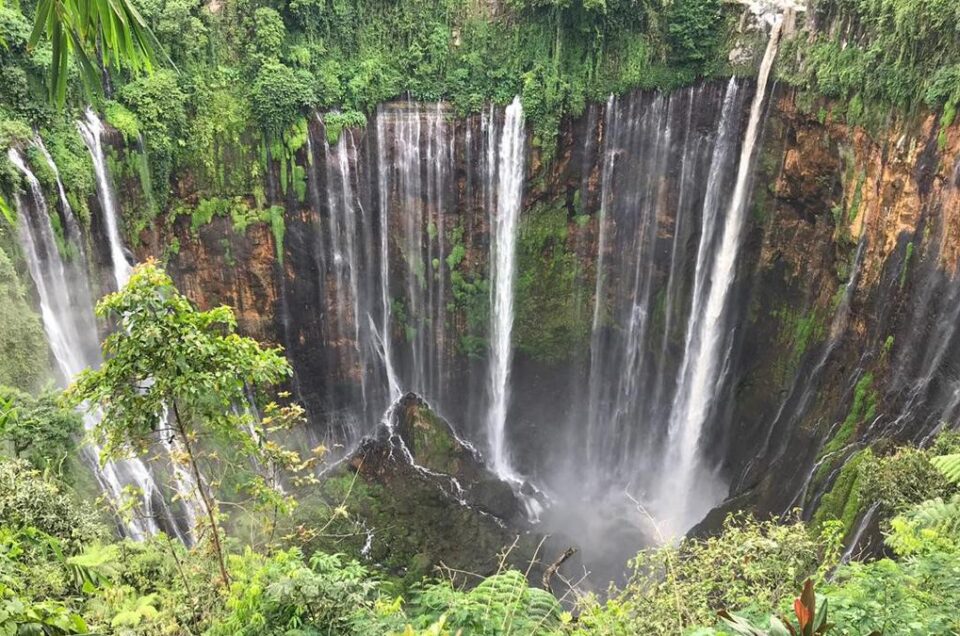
418 500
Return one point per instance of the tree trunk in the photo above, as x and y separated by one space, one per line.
207 503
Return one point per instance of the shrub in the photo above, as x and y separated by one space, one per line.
38 429
273 595
751 566
279 95
28 500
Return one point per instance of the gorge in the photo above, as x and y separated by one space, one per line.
603 332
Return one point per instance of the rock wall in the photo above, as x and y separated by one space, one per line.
845 304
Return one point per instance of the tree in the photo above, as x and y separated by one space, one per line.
167 355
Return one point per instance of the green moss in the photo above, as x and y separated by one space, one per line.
118 116
470 307
433 444
299 179
274 215
22 341
946 120
335 122
906 264
797 332
843 501
551 314
455 257
887 345
862 410
853 211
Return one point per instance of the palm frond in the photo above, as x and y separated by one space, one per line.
85 30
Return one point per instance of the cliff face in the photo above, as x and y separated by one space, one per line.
840 325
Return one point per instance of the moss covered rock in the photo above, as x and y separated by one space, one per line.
417 499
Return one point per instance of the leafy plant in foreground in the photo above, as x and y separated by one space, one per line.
168 356
811 621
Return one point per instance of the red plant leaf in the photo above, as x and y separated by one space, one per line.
803 614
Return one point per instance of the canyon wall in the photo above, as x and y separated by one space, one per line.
841 322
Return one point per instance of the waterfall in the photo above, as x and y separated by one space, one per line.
70 221
68 320
91 129
504 220
684 491
383 334
343 224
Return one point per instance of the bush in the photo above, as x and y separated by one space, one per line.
279 96
751 566
38 429
900 480
28 500
274 595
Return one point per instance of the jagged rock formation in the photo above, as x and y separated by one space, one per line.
419 500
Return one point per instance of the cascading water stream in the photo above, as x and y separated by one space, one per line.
68 321
685 480
70 221
504 228
383 334
91 130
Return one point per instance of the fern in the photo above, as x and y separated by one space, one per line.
518 607
949 465
938 515
931 525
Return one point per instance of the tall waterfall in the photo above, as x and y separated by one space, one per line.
381 199
68 320
707 341
91 129
504 219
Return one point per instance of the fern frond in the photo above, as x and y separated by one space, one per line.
949 465
938 515
520 608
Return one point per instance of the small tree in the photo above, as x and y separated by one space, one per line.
167 355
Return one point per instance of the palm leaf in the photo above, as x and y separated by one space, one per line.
82 29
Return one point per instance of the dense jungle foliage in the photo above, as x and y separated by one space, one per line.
232 88
235 80
63 572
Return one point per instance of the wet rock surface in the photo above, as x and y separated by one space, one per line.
427 504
